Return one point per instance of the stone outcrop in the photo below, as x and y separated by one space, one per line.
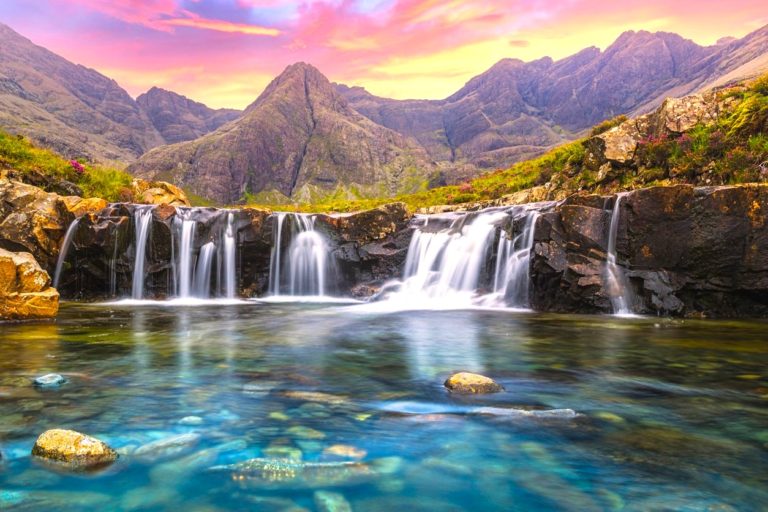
158 192
25 291
73 450
685 251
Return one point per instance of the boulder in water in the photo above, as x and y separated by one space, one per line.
50 380
472 383
73 449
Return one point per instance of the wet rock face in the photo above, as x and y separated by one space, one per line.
25 288
73 449
685 251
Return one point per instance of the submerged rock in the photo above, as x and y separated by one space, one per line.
167 447
326 501
472 383
50 380
343 451
73 449
285 474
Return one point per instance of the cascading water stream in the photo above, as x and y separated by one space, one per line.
185 264
615 279
307 260
68 236
142 218
511 279
454 266
203 270
230 277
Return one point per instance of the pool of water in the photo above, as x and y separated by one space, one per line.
669 414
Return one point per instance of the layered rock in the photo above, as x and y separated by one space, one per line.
685 251
25 288
158 192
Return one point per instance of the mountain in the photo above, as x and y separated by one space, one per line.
70 108
517 109
79 112
178 118
300 139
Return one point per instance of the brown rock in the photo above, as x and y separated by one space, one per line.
78 206
25 290
472 383
76 450
158 192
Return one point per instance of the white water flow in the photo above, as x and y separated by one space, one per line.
142 218
302 270
68 236
454 267
230 277
511 280
185 264
276 255
616 282
203 270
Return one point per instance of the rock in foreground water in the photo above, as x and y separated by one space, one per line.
326 501
76 450
50 380
472 383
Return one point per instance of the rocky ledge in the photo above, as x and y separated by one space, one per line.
25 288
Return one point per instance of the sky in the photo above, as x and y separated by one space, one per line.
224 52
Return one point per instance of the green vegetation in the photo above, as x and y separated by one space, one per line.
47 169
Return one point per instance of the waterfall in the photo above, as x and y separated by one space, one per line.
142 218
203 270
186 227
451 262
276 255
68 236
308 259
616 282
511 279
230 278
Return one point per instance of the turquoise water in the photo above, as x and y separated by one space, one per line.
671 414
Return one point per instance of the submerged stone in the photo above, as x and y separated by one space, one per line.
284 474
73 449
344 451
167 447
326 501
191 420
50 380
471 383
301 432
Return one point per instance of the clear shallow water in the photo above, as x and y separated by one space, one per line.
673 415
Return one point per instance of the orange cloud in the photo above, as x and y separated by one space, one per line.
222 26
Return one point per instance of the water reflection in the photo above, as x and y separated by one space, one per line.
672 413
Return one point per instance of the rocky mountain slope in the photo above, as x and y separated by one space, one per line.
81 113
179 118
299 139
516 109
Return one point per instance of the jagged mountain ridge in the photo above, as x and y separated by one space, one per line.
79 112
179 118
517 109
300 139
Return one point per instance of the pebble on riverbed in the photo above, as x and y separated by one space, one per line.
73 449
50 380
471 383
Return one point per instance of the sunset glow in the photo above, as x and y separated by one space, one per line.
223 53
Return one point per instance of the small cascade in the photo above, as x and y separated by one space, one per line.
68 236
185 228
616 281
142 219
203 270
307 259
230 277
511 279
451 261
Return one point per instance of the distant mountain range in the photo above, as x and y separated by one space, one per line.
305 137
